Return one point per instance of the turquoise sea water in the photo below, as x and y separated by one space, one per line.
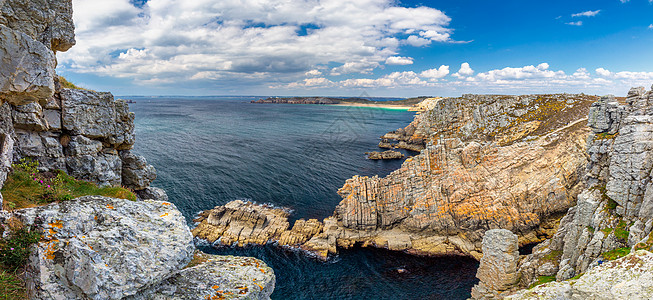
209 151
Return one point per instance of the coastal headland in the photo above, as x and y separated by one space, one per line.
406 104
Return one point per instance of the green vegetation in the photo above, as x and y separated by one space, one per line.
69 85
577 276
553 256
647 245
27 187
542 280
590 228
607 230
14 252
198 259
12 286
616 253
621 232
605 136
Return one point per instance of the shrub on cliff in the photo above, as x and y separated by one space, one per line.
27 187
14 253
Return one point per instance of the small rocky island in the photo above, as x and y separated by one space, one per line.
375 155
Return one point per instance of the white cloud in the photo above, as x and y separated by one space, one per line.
577 23
641 78
417 41
313 73
436 73
399 60
177 40
394 79
589 13
465 71
650 26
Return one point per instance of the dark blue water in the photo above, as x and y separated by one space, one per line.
209 151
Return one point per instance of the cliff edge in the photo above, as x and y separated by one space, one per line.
95 247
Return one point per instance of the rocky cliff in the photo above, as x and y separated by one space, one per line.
95 247
511 162
614 212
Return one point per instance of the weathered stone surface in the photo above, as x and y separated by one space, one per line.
53 119
242 223
104 248
98 116
81 145
29 117
222 277
630 277
26 68
614 209
152 193
497 271
103 169
136 173
384 155
47 21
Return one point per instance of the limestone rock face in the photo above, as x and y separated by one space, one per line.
152 193
384 155
82 133
512 162
614 209
104 248
27 68
136 173
231 277
48 21
630 277
98 116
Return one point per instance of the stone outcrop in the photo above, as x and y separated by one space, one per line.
243 223
498 269
630 277
511 162
384 155
613 212
95 247
218 277
104 248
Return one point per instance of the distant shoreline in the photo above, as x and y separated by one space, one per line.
406 104
384 106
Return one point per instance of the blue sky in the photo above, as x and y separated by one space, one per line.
344 48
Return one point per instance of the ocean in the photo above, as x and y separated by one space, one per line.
212 150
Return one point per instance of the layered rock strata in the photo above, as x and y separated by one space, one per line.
384 155
497 271
511 162
614 210
243 223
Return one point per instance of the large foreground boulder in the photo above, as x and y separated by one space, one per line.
104 248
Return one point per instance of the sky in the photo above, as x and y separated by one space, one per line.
381 48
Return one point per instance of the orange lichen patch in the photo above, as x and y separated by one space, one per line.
165 203
262 270
95 218
259 285
51 231
90 247
56 224
109 206
215 287
164 215
50 248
